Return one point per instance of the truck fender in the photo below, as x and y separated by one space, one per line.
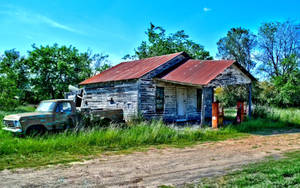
41 129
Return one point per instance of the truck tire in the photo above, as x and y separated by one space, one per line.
105 122
36 130
69 124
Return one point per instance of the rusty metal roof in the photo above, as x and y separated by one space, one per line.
198 72
130 70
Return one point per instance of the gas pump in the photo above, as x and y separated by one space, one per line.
240 112
217 115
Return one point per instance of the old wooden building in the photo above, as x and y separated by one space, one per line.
173 87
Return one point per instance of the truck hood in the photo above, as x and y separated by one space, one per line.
17 117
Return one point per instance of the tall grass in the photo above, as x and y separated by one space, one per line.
286 115
110 139
271 118
72 146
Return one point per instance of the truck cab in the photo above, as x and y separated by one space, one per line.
57 114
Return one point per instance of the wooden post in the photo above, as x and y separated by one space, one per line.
206 109
250 101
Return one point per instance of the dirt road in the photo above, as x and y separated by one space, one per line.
155 167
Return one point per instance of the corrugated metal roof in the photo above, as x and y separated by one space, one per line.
130 70
198 72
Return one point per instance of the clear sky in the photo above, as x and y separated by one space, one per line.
116 27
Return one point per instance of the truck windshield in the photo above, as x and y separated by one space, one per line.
46 107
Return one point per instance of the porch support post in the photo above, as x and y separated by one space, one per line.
206 108
250 100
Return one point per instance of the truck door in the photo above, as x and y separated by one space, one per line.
62 114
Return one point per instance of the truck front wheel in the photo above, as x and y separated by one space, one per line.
36 130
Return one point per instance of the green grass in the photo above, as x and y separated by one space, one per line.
284 172
230 113
18 152
267 119
289 116
261 124
65 147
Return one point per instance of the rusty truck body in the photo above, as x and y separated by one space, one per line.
57 114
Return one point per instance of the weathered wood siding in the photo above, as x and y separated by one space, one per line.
139 96
147 91
147 101
113 95
146 96
230 76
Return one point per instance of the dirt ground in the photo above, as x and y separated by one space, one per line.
171 166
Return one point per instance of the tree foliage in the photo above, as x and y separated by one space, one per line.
278 41
159 43
53 68
100 63
230 95
13 79
286 88
45 73
239 45
278 56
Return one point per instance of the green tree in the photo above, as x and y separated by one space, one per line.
279 56
287 86
55 67
13 79
277 41
159 43
239 45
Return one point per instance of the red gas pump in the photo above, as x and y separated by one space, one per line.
215 115
240 112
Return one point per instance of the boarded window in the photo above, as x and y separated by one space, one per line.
199 99
160 95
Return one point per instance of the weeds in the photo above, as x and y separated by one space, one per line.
71 146
290 116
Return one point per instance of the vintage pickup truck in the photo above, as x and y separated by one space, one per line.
57 114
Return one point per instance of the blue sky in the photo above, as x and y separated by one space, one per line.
116 27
